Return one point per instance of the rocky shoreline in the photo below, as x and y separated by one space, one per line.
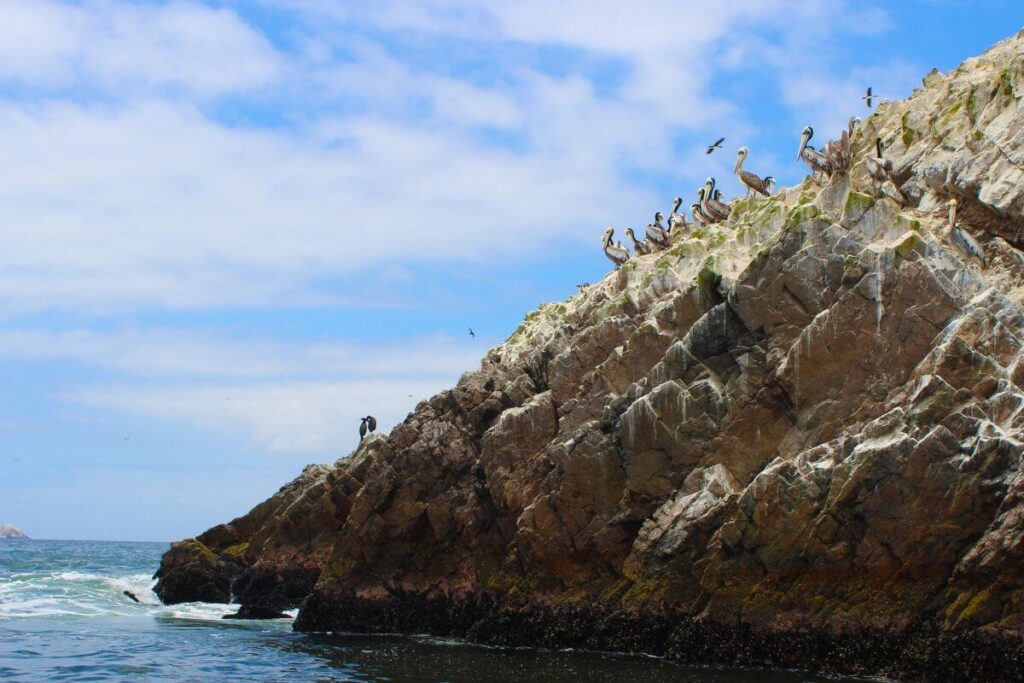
917 652
794 438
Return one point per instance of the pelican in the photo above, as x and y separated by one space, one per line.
753 183
676 220
368 425
853 124
878 166
657 235
639 248
769 183
838 153
962 239
617 254
818 162
698 215
702 215
713 205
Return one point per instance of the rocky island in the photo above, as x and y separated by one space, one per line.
11 532
793 439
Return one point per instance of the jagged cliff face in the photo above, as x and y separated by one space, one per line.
806 420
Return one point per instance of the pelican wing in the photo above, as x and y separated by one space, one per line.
754 182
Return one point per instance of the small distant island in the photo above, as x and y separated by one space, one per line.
9 532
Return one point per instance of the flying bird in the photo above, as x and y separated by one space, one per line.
717 144
367 426
471 332
868 97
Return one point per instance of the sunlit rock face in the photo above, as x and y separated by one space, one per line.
794 438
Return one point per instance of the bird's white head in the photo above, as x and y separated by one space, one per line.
805 137
741 154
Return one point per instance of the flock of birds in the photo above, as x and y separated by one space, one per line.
833 159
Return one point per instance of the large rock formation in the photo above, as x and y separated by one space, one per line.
9 532
791 439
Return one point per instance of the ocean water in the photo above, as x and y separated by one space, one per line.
63 617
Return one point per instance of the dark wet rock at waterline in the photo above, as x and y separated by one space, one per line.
793 439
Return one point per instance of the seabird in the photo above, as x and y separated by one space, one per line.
471 332
962 239
769 183
615 253
698 215
639 248
752 181
676 220
713 206
818 162
868 97
656 233
880 169
853 124
717 144
368 425
583 285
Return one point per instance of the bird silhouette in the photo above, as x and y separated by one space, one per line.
472 333
717 144
868 97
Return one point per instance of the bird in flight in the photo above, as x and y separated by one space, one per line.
717 144
471 332
868 97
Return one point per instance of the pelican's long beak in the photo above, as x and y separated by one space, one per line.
736 166
804 139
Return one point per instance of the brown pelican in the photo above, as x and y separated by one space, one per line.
868 97
713 206
853 124
676 220
368 425
639 248
818 162
617 254
839 153
769 183
657 235
753 182
698 215
880 169
717 144
962 239
703 216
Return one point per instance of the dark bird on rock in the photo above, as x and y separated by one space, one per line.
717 144
367 426
868 97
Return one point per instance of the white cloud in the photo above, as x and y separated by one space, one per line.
118 45
281 397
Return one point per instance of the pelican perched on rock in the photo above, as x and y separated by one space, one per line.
676 220
639 248
769 183
713 206
880 169
963 240
818 162
698 216
853 124
752 181
657 234
616 253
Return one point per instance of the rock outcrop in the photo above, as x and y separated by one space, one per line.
11 532
792 439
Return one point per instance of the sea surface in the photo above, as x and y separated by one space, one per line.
63 617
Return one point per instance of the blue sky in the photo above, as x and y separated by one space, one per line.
229 229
